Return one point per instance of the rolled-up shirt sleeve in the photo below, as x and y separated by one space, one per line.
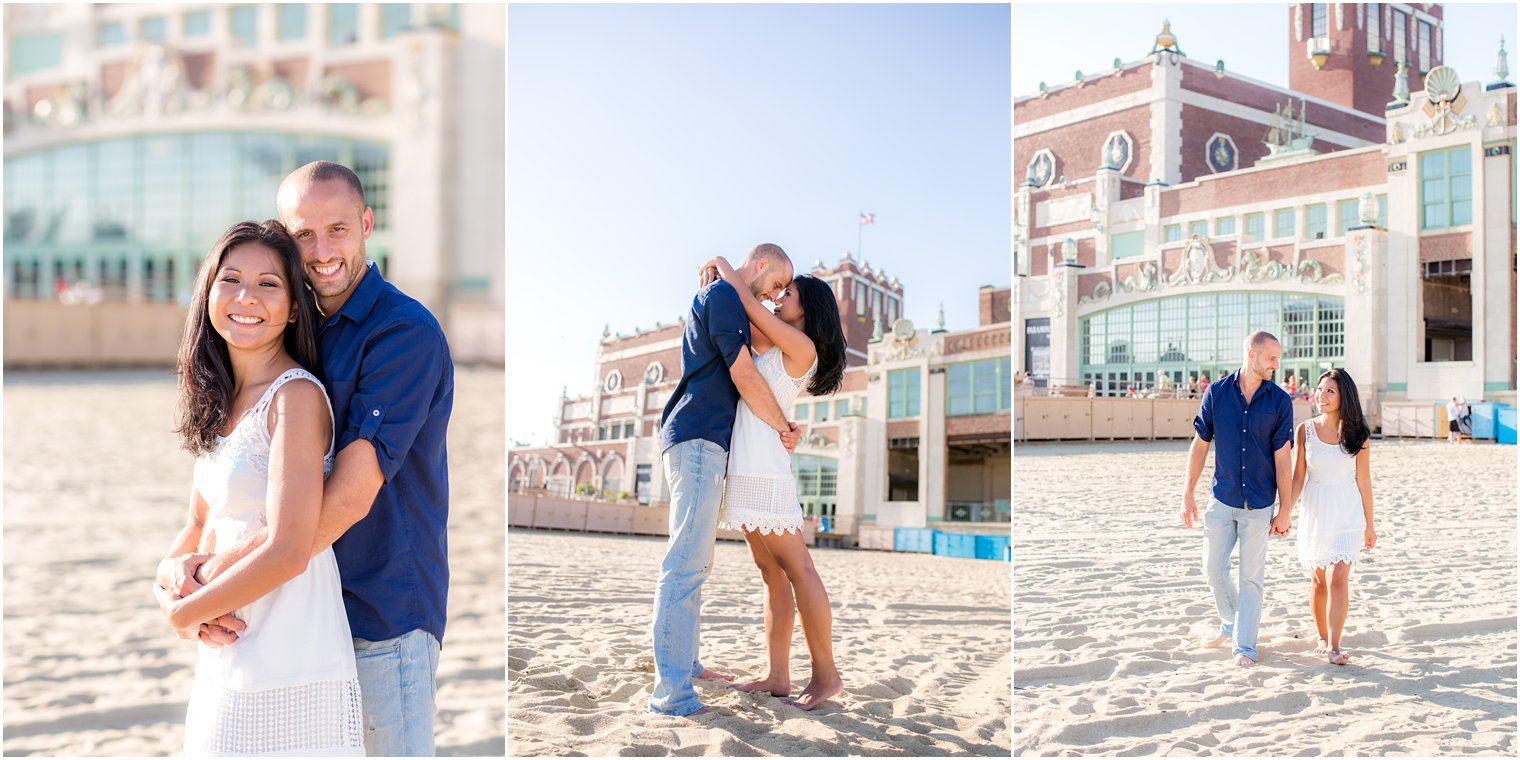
404 368
727 326
1283 432
1203 422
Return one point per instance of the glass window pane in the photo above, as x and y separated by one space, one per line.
115 190
164 216
154 28
800 412
394 17
1224 225
985 383
1283 223
1460 160
1256 227
342 24
69 212
1199 228
1315 222
111 33
1346 212
1126 244
292 22
212 186
245 25
197 23
1173 233
35 52
958 389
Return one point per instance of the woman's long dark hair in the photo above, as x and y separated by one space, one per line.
205 369
1354 431
820 320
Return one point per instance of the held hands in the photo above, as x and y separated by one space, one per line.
790 437
178 577
714 268
1282 524
1189 510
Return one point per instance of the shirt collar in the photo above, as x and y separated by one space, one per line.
366 293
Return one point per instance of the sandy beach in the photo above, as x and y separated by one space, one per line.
1111 599
921 641
95 489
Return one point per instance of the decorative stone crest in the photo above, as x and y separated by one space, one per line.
654 373
1222 154
1042 168
1117 151
1256 266
1198 267
1101 292
1444 102
1146 282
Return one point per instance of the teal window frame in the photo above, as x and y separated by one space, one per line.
1123 245
1256 227
153 28
1346 215
978 387
1382 201
394 19
291 21
1199 228
860 407
1224 225
111 34
1171 233
821 412
903 393
36 52
841 408
1316 221
800 412
196 23
243 23
1446 188
1284 222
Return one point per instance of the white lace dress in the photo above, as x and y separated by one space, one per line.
760 492
1331 527
288 686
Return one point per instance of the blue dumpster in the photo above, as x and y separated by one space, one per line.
992 547
1483 414
913 540
961 545
1505 422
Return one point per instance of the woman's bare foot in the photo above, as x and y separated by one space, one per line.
1336 657
1323 647
1212 640
817 692
710 673
778 687
1244 661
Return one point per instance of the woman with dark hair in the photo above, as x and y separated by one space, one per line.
800 345
288 685
1333 476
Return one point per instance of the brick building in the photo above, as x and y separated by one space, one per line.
136 133
918 433
1364 215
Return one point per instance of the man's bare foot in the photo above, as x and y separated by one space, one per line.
1212 640
710 673
817 692
1336 657
1244 661
778 687
1322 647
703 710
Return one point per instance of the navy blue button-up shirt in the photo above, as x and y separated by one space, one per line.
391 380
704 402
1245 435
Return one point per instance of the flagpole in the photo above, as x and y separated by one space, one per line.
860 228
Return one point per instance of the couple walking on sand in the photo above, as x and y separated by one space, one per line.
725 443
1250 419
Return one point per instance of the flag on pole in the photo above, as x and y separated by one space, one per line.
866 218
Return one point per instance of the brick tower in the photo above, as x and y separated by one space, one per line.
1346 52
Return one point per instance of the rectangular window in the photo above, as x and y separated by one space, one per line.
1425 43
860 298
1346 215
36 52
394 18
1171 233
1316 221
800 413
841 408
1400 31
1445 188
1224 225
1282 223
628 430
153 28
342 24
245 25
1256 227
860 407
110 34
902 393
821 411
1319 19
196 23
1126 244
1199 228
1383 211
292 24
1375 27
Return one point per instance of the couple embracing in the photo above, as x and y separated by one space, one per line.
1251 420
313 567
725 443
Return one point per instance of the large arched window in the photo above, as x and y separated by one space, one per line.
1188 336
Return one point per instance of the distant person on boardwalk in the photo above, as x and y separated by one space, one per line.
800 346
696 430
1251 419
1333 477
1453 421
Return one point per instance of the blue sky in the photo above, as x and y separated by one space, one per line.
1053 42
645 139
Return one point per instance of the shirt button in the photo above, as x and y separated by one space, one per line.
376 413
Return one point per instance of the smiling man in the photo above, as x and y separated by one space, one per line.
385 507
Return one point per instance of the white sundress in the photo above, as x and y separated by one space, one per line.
760 492
1332 526
288 686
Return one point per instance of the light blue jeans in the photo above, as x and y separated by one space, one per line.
1239 611
694 469
397 683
